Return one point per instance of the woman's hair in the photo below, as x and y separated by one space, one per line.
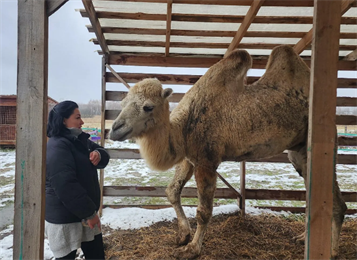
55 125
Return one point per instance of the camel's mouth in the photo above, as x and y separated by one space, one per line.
115 136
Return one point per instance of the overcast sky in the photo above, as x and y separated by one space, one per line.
74 64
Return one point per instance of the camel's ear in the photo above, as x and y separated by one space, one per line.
166 92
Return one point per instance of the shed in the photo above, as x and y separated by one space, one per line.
8 118
189 33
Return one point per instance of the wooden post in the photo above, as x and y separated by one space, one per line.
242 188
322 129
31 129
102 126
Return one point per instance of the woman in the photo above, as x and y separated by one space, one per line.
72 187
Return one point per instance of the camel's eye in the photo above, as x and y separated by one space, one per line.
148 108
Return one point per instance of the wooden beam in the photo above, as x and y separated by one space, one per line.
290 3
53 5
178 17
209 45
209 33
301 45
30 171
92 15
102 127
322 119
168 27
242 188
195 61
179 79
117 76
280 158
243 28
176 97
223 193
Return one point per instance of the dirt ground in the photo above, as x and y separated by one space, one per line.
229 236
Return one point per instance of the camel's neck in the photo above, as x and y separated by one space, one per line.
163 146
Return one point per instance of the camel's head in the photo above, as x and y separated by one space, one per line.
144 107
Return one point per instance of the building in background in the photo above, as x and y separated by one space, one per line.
8 118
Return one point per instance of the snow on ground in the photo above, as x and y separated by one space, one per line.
135 172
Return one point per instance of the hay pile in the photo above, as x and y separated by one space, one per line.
228 237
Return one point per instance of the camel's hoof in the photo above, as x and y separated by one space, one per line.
183 239
187 252
300 239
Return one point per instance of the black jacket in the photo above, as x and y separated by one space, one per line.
72 187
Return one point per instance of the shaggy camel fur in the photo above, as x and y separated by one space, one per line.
220 119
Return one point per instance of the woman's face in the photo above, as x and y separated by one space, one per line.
74 120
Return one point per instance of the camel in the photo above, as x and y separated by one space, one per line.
220 118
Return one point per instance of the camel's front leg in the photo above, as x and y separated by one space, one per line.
183 173
206 185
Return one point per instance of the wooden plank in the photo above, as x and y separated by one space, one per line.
176 97
280 158
53 5
242 188
208 45
340 119
307 39
243 28
209 18
346 101
196 61
168 27
31 114
290 3
223 193
92 15
351 56
208 33
346 120
301 209
347 141
300 3
321 148
180 79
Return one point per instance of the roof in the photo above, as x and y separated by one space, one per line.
10 100
208 28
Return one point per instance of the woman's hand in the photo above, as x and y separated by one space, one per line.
93 222
94 157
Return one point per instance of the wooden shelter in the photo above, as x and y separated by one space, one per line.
192 34
8 118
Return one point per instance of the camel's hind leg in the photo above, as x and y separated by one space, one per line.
183 173
206 184
298 158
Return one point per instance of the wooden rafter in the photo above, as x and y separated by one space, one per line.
168 27
351 56
53 5
88 5
248 19
307 39
211 18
